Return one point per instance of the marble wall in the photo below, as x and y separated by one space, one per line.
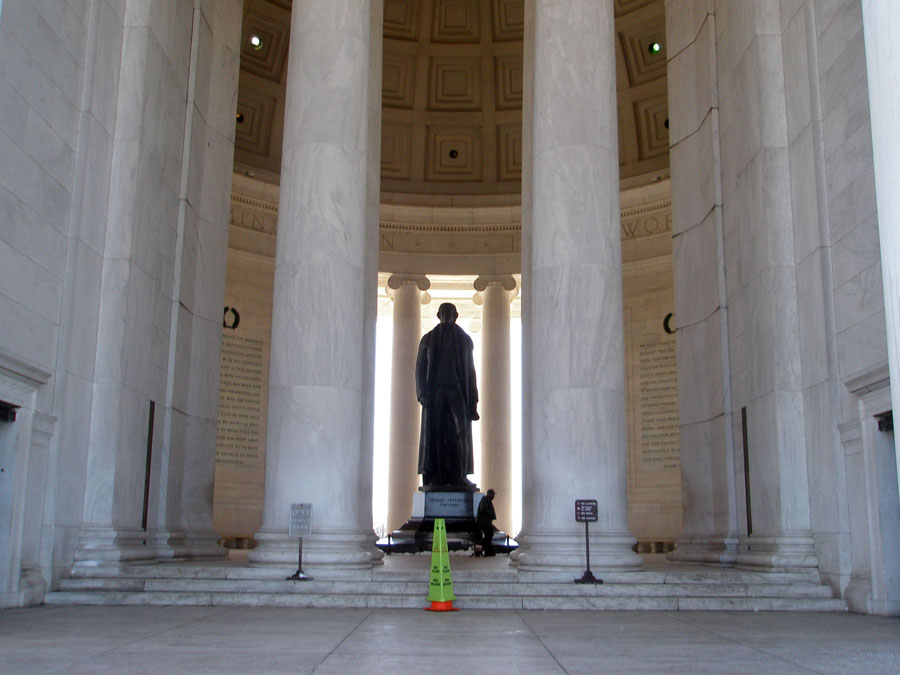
856 284
116 134
654 454
43 54
772 168
240 463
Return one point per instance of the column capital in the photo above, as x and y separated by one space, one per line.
395 281
504 280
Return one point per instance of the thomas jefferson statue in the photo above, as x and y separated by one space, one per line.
445 386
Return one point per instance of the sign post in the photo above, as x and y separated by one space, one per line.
301 524
586 512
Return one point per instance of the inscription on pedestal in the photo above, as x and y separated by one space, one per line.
240 401
448 504
659 406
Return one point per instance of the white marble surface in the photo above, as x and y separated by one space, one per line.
575 443
684 21
698 292
692 65
320 386
695 192
701 393
403 479
494 394
881 21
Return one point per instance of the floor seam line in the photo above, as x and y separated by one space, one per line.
344 639
538 638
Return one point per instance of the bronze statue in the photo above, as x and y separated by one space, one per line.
445 386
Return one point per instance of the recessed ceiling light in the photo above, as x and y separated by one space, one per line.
654 48
256 42
239 117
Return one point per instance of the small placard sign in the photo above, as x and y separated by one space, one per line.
585 510
301 520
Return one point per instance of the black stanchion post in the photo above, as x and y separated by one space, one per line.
586 512
300 524
299 575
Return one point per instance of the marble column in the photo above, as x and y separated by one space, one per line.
575 448
881 24
188 418
494 393
117 371
709 517
762 278
403 480
321 373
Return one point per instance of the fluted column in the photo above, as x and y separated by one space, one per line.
403 479
576 446
496 445
320 383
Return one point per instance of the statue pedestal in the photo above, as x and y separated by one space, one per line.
457 508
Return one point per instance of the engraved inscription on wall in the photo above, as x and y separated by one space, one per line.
659 406
240 401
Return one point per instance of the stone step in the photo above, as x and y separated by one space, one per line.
403 583
417 601
480 587
727 576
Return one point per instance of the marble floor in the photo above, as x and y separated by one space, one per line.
279 640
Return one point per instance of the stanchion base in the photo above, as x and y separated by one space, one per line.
298 576
588 578
446 606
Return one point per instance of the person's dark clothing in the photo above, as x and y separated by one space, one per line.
484 522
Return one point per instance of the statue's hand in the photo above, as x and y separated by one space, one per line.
424 401
475 416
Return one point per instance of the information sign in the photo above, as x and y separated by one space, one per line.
301 520
585 510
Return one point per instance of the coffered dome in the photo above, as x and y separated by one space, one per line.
452 97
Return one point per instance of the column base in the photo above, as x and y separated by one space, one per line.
30 591
326 554
557 557
778 553
178 545
716 550
112 547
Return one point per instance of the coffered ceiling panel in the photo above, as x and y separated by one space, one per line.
456 21
454 153
652 117
623 7
508 20
454 83
253 132
395 149
401 19
508 80
644 64
398 79
271 24
509 151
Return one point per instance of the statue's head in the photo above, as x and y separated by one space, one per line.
447 312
